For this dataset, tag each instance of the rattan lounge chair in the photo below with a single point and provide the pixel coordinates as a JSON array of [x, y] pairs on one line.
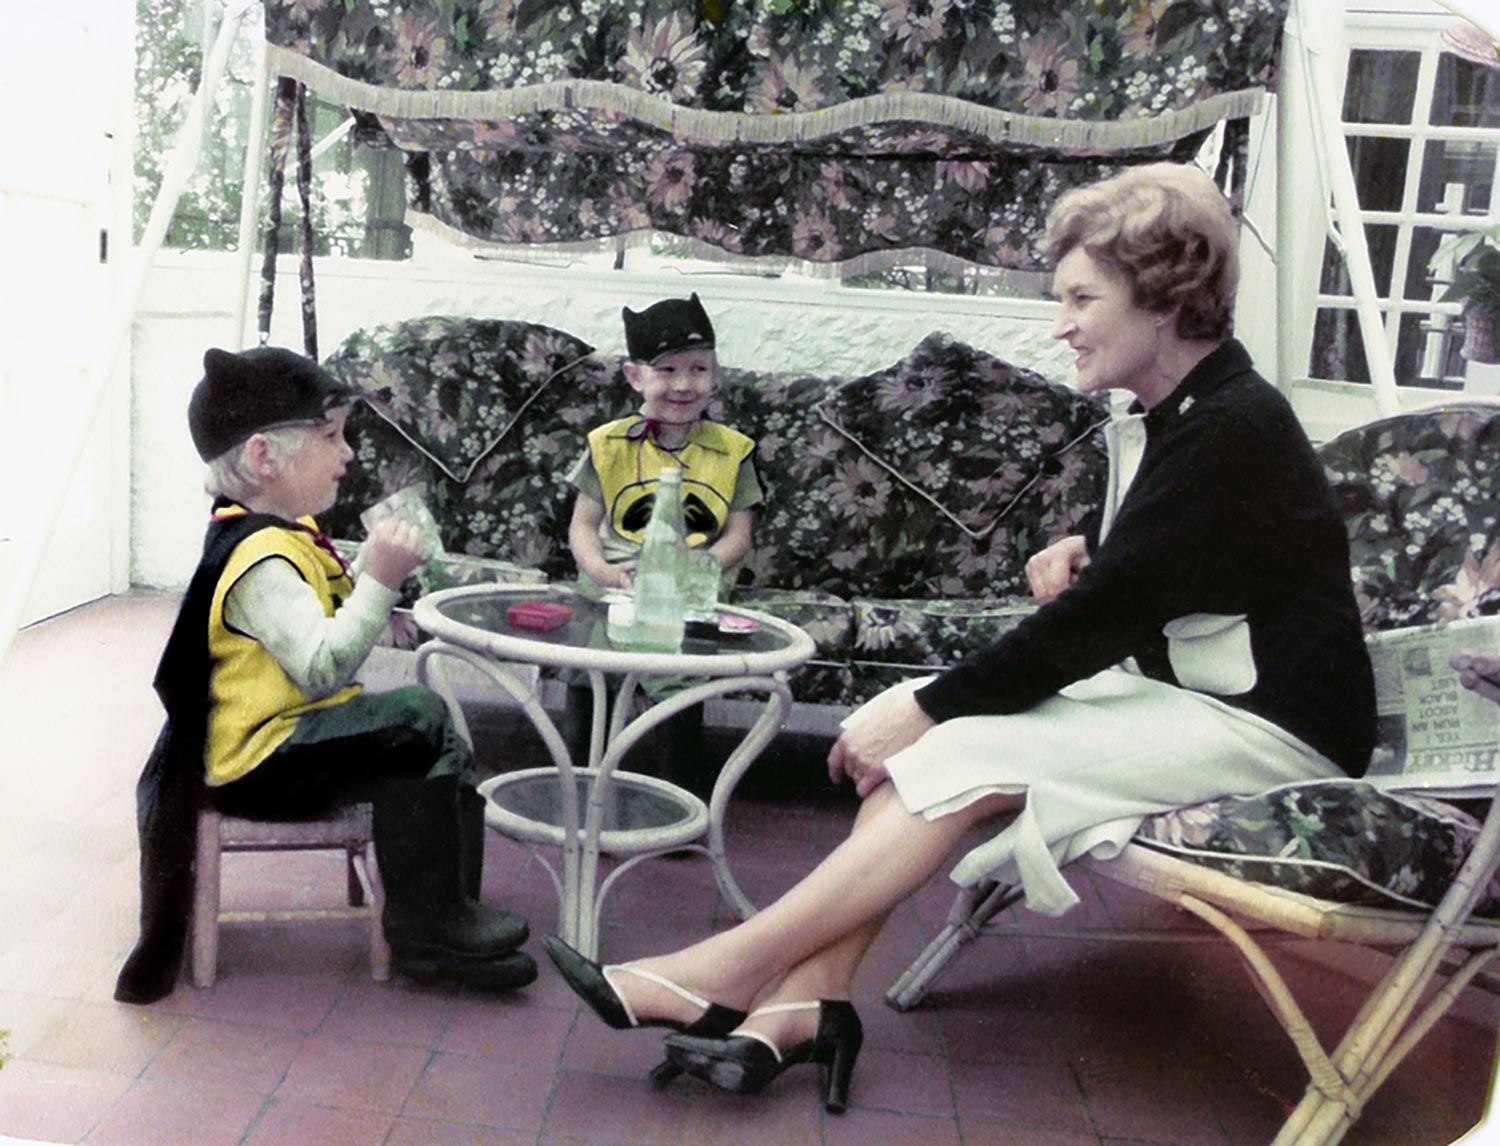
[[1384, 867]]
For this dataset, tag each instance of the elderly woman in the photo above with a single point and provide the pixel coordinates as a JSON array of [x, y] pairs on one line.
[[1201, 639]]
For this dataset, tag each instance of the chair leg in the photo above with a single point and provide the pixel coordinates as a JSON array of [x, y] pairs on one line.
[[205, 923], [974, 907], [368, 872], [356, 885]]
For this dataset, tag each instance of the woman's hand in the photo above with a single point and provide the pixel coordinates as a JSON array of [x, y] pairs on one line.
[[392, 551], [884, 729], [1054, 568], [1479, 673]]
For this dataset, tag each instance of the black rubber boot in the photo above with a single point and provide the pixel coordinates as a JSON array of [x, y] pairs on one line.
[[504, 973], [577, 722], [681, 757], [471, 832], [418, 844]]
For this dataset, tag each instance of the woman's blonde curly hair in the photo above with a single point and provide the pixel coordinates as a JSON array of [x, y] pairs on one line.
[[1168, 231]]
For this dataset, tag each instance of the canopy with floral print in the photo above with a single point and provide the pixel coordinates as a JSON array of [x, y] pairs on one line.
[[831, 131]]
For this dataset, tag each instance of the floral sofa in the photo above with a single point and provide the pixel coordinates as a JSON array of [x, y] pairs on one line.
[[1420, 492], [900, 506]]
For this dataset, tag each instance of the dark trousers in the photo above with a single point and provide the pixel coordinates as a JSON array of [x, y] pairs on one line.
[[343, 753], [674, 751]]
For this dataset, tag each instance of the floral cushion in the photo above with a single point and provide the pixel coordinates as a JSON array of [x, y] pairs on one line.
[[965, 431], [453, 386], [838, 520], [1420, 493], [827, 619], [515, 504], [1341, 840], [929, 635]]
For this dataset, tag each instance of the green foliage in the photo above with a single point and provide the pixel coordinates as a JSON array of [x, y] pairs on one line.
[[170, 45], [1475, 260]]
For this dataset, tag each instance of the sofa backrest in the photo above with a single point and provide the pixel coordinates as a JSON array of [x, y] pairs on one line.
[[486, 416], [937, 476], [1420, 493], [934, 477]]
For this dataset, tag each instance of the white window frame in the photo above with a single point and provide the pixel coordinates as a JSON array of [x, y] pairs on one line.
[[1327, 406], [1421, 34]]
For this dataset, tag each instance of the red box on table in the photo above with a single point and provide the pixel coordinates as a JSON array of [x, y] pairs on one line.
[[539, 615]]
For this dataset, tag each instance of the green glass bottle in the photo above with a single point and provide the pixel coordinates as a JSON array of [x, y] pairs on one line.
[[659, 600]]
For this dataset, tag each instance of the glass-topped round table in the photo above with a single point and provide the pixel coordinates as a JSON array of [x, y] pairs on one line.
[[624, 814]]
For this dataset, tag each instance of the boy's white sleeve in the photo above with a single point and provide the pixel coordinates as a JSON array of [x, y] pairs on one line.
[[321, 654]]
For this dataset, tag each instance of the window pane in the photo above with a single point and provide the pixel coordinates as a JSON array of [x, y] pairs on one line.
[[1381, 239], [1382, 86], [1464, 171], [1338, 352], [1421, 286], [1379, 171], [1465, 94], [1426, 355]]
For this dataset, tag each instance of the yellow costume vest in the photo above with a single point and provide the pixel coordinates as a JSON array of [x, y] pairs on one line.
[[252, 704], [629, 463]]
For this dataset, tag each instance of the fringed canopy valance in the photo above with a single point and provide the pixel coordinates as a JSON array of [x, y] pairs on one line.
[[832, 131]]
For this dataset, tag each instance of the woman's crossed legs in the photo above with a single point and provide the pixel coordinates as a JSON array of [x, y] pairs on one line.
[[809, 943]]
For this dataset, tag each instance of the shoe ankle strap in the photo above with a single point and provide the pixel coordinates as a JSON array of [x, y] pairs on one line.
[[651, 977], [776, 1009], [783, 1008]]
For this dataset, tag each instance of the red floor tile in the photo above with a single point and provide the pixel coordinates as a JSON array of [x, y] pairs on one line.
[[390, 1012], [158, 1110], [293, 1002], [215, 1053], [607, 1108], [1057, 1041], [98, 1036], [361, 1076], [749, 1120], [885, 1128], [483, 1090], [992, 1132], [304, 1124], [903, 1082], [426, 1132], [1031, 1095], [55, 1103], [512, 1029]]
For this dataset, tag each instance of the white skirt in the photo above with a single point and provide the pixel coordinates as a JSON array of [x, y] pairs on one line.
[[1093, 762]]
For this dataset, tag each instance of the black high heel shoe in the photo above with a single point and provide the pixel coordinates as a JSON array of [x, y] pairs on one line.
[[591, 983], [745, 1063]]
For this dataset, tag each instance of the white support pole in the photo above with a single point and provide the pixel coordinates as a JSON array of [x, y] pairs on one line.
[[1319, 45], [53, 493], [255, 150], [1299, 236]]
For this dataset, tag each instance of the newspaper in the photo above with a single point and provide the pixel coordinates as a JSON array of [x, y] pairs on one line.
[[1434, 734]]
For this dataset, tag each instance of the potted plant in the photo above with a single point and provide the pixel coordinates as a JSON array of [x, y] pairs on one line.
[[1470, 261]]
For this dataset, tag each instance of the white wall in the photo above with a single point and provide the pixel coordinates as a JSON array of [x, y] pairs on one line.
[[64, 235], [764, 324]]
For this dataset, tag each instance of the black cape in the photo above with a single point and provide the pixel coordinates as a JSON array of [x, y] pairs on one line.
[[170, 789]]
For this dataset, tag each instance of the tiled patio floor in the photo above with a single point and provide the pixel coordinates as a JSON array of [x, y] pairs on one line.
[[1057, 1042]]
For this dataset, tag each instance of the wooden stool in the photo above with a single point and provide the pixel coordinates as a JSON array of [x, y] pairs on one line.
[[348, 830]]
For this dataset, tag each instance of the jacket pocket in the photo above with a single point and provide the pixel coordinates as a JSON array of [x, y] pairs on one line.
[[1211, 652]]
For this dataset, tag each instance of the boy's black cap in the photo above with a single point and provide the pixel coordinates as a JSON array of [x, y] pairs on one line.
[[258, 389], [666, 327]]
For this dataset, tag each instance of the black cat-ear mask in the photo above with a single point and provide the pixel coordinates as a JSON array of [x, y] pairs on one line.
[[667, 327]]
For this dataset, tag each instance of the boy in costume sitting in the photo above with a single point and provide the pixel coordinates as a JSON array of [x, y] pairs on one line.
[[264, 717], [673, 365]]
